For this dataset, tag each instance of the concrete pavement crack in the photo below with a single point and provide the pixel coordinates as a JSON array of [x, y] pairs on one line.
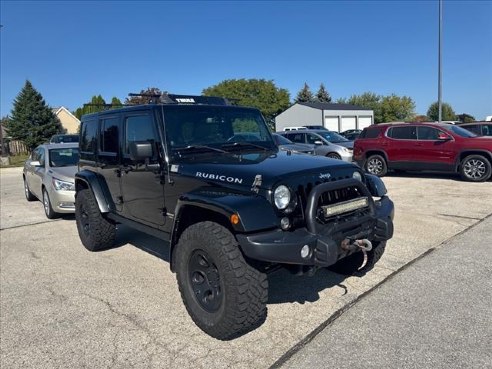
[[30, 224], [136, 323]]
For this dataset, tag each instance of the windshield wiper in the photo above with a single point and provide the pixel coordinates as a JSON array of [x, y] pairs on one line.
[[243, 144], [195, 148]]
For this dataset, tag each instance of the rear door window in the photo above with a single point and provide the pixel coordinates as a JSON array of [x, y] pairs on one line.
[[427, 133], [403, 133]]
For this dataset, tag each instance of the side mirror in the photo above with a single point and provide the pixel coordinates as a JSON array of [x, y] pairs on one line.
[[35, 163], [443, 137], [319, 142], [140, 150]]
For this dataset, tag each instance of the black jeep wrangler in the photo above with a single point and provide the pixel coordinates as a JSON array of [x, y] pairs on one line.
[[207, 178]]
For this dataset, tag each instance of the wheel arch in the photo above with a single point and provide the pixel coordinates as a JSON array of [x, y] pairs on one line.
[[90, 180], [463, 154]]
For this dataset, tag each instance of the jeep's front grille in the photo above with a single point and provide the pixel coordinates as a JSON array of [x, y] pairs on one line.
[[330, 197]]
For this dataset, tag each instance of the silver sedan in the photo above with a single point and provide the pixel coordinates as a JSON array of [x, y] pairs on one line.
[[49, 175]]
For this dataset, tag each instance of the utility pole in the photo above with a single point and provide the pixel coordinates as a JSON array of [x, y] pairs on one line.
[[439, 93]]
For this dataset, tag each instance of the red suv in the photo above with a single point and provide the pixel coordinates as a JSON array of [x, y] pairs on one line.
[[424, 146]]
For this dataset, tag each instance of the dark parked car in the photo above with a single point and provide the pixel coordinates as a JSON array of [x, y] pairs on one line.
[[350, 132], [424, 146], [207, 178], [479, 128], [352, 136]]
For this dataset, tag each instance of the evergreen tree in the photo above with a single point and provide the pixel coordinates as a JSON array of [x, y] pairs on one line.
[[304, 95], [31, 120], [322, 95], [116, 103]]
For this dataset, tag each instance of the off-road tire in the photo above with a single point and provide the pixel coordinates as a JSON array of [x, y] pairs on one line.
[[29, 195], [243, 288], [376, 164], [352, 264], [475, 168], [48, 209], [95, 231]]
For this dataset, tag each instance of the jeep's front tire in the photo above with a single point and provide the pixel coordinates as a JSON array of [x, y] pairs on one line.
[[355, 263], [224, 295], [95, 231]]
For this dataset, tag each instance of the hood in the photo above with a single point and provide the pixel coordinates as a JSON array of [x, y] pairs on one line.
[[64, 173], [262, 169], [347, 144], [304, 148]]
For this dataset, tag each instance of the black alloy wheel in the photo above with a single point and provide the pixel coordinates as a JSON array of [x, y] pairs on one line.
[[205, 281]]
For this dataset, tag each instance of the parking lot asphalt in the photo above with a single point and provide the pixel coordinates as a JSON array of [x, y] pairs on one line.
[[62, 306], [434, 314]]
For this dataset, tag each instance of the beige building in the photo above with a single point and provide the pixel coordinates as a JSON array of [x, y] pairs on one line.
[[69, 121]]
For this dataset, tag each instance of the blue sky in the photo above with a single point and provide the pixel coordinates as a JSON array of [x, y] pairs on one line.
[[72, 50]]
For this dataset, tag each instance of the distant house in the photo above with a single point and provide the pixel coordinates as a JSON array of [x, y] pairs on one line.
[[69, 121], [335, 117]]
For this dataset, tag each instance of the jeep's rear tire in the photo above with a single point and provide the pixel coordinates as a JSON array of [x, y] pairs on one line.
[[95, 231], [224, 295], [353, 263], [475, 168], [376, 164]]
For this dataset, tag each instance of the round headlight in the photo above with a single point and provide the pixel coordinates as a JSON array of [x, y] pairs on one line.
[[281, 197], [357, 176]]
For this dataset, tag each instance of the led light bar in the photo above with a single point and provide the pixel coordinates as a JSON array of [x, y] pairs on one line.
[[345, 207]]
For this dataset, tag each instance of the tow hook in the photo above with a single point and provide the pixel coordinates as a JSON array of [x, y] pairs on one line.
[[354, 245]]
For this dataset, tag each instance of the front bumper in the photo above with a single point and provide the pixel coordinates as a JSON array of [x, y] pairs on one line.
[[324, 242], [62, 201]]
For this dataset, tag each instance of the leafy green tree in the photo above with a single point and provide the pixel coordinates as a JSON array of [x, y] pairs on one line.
[[116, 103], [386, 108], [465, 118], [323, 95], [31, 120], [368, 100], [154, 93], [259, 93], [395, 108], [97, 104], [304, 95], [447, 112]]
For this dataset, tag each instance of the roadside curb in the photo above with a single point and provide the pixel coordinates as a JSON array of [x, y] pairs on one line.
[[307, 339]]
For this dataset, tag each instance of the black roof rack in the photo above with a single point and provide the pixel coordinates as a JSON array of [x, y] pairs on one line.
[[166, 98]]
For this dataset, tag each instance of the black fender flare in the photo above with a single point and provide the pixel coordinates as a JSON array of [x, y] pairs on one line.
[[98, 186], [201, 204]]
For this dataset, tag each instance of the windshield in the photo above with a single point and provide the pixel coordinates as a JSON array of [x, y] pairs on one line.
[[281, 140], [64, 157], [332, 137], [216, 128], [461, 131]]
